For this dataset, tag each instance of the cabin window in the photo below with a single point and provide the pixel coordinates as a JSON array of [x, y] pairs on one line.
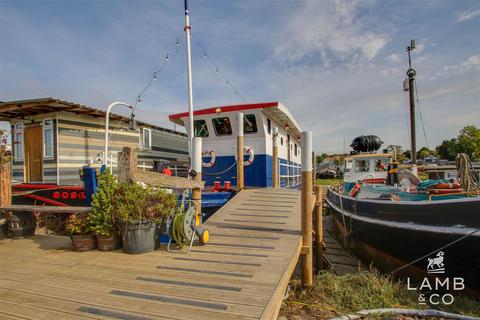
[[18, 141], [201, 129], [249, 124], [296, 150], [146, 139], [362, 166], [348, 166], [381, 165], [281, 141], [48, 138], [269, 126], [222, 126]]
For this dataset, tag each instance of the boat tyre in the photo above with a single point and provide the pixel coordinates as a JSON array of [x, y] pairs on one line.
[[355, 190], [445, 191], [454, 185], [109, 243], [84, 242], [251, 156], [213, 158], [3, 228]]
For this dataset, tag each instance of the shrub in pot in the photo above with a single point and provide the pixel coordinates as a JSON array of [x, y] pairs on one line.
[[140, 213], [100, 220], [82, 238]]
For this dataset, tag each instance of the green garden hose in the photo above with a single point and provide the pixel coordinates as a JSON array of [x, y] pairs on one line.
[[177, 230]]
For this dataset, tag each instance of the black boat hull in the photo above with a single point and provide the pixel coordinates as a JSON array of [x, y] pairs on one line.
[[391, 234]]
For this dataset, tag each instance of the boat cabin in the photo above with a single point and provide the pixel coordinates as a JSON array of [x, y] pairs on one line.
[[218, 127], [53, 139], [366, 166]]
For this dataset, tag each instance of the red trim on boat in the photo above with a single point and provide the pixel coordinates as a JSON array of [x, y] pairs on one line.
[[45, 186], [214, 110], [53, 202]]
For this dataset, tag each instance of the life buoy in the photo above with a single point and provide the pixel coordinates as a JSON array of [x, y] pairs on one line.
[[453, 185], [445, 191], [213, 158], [355, 190], [251, 156]]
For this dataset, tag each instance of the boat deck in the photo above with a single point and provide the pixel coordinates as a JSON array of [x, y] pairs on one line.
[[241, 274]]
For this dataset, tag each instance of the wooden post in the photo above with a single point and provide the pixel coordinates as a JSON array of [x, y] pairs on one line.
[[275, 178], [318, 228], [314, 168], [240, 173], [197, 166], [306, 199], [127, 164], [5, 184]]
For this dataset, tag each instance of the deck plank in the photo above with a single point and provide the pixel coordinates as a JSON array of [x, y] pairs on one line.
[[241, 274]]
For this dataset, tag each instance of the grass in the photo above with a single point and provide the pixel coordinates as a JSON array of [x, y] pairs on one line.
[[328, 182], [332, 295]]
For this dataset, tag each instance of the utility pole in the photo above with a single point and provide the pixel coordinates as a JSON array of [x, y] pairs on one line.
[[411, 91]]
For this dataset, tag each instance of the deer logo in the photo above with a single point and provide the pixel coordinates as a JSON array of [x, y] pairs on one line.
[[436, 265]]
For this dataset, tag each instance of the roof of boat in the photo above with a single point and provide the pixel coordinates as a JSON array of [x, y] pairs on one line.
[[275, 109], [368, 155], [18, 109]]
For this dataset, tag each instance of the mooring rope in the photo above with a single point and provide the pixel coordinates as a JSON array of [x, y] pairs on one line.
[[221, 172], [466, 173]]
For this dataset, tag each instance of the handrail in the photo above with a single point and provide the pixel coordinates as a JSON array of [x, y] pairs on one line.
[[470, 193]]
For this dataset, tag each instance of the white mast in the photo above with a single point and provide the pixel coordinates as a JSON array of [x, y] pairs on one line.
[[189, 78]]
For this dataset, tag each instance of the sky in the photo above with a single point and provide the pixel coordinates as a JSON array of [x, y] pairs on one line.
[[338, 66]]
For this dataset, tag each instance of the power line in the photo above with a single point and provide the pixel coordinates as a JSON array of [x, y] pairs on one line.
[[218, 70], [421, 117]]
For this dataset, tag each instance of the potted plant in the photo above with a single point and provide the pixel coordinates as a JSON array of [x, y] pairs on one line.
[[100, 220], [140, 212], [82, 238]]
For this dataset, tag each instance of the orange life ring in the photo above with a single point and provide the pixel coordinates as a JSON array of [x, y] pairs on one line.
[[445, 191], [355, 190], [454, 185]]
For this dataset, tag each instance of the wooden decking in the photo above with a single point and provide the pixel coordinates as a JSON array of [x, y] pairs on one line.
[[241, 274]]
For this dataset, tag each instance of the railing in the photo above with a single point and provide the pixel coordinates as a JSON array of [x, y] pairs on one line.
[[293, 176]]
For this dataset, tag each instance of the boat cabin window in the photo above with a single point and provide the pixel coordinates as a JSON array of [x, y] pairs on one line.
[[146, 139], [281, 141], [348, 165], [362, 165], [48, 138], [249, 124], [201, 129], [18, 141], [222, 126], [269, 126], [381, 165], [296, 150]]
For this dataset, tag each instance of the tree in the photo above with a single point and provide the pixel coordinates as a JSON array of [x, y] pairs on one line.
[[407, 154], [423, 153], [467, 141]]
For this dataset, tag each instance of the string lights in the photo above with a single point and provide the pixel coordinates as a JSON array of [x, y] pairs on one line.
[[217, 68]]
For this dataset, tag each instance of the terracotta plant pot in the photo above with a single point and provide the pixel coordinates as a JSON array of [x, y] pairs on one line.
[[84, 242], [109, 243]]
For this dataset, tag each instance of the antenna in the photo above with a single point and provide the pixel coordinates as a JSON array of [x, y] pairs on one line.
[[412, 44]]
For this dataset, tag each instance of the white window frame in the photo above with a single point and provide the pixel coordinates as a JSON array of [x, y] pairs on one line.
[[44, 127], [21, 130], [142, 139]]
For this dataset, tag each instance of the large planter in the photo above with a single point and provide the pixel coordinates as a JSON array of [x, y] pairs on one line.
[[83, 242], [3, 228], [109, 243], [139, 236]]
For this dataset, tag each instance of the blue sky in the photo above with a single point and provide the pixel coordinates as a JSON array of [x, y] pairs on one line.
[[337, 65]]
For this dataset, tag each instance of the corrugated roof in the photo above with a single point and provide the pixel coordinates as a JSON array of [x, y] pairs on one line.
[[10, 110]]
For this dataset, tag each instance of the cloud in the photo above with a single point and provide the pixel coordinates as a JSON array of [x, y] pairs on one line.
[[467, 15], [395, 58], [471, 63], [334, 30]]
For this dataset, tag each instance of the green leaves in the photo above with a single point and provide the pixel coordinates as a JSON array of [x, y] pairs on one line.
[[100, 219]]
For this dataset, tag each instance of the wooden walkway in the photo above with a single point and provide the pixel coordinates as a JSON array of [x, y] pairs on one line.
[[241, 274]]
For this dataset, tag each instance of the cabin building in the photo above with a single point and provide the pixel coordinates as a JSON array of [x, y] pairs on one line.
[[53, 139], [218, 126]]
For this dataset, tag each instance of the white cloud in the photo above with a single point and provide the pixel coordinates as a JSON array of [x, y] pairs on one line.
[[333, 30], [395, 58], [471, 63], [468, 15]]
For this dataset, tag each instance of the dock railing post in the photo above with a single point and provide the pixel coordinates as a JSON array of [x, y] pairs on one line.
[[318, 228], [197, 166], [126, 164], [275, 179], [240, 167], [306, 205]]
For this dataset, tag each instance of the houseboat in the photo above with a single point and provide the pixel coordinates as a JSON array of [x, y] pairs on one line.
[[53, 139], [217, 126]]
